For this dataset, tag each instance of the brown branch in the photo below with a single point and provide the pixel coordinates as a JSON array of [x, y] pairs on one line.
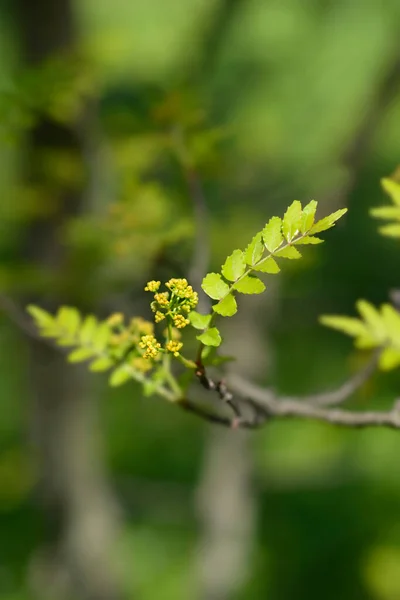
[[331, 398], [264, 405], [270, 408]]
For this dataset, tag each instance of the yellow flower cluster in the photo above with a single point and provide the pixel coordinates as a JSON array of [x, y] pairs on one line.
[[150, 345], [152, 286], [141, 364], [185, 292], [175, 304], [115, 319], [174, 347], [180, 321], [162, 299]]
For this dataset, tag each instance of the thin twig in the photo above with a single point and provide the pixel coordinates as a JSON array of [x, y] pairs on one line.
[[331, 398]]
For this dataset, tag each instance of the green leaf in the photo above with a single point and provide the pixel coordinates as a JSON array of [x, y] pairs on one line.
[[226, 307], [249, 285], [41, 317], [254, 250], [373, 320], [211, 337], [272, 234], [349, 325], [216, 360], [101, 364], [292, 220], [88, 330], [307, 218], [392, 230], [65, 340], [149, 387], [366, 342], [199, 321], [234, 266], [80, 355], [101, 337], [391, 320], [392, 188], [68, 319], [389, 359], [288, 252], [328, 222], [119, 376], [308, 239], [214, 286], [385, 212], [269, 265]]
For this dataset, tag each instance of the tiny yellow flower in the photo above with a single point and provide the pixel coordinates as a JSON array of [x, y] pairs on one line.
[[141, 364], [141, 326], [162, 298], [159, 316], [174, 347], [152, 286], [150, 345], [180, 322], [115, 319]]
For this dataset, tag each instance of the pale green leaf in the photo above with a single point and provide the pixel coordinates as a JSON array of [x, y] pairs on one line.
[[65, 340], [80, 355], [211, 337], [373, 319], [254, 250], [234, 266], [149, 387], [307, 218], [269, 265], [214, 286], [392, 230], [292, 220], [119, 376], [199, 321], [226, 307], [348, 325], [68, 319], [389, 359], [88, 329], [272, 234], [101, 337], [385, 212], [220, 360], [366, 342], [308, 239], [101, 364], [392, 188], [391, 321], [249, 285], [288, 252], [41, 317], [328, 222]]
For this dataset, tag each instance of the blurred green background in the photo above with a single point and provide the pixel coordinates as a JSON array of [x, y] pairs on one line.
[[264, 101]]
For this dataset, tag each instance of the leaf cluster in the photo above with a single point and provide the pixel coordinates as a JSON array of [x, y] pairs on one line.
[[391, 212], [376, 328], [240, 273]]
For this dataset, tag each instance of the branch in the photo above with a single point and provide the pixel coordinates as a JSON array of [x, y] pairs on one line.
[[264, 405], [334, 397]]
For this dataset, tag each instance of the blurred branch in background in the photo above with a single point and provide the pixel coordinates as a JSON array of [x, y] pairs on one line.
[[356, 151], [79, 510]]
